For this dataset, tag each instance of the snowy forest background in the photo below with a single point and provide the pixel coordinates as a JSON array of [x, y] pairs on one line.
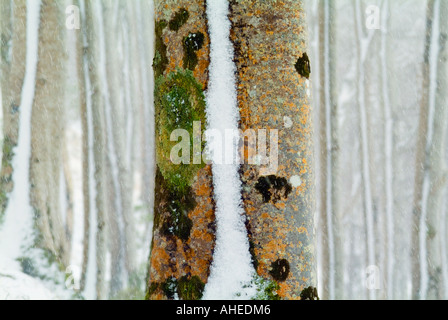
[[380, 103]]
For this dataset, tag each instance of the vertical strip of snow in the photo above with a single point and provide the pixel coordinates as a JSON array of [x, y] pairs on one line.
[[329, 147], [388, 150], [231, 267], [17, 231], [90, 287]]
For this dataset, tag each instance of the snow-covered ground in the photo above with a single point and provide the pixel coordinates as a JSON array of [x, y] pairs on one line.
[[16, 232]]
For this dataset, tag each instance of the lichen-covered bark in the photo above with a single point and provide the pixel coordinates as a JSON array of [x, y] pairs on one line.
[[183, 237], [13, 52], [271, 56]]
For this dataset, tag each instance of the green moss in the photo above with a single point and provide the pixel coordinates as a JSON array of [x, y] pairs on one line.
[[190, 288], [179, 19], [309, 293], [303, 66], [192, 43], [160, 55], [169, 287], [152, 288], [280, 269], [187, 288], [179, 224], [179, 101], [266, 289], [178, 205]]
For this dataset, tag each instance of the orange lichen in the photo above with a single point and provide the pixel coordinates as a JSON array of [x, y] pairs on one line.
[[265, 55], [172, 257]]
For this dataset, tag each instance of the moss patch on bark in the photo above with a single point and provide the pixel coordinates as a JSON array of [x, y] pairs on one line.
[[179, 102]]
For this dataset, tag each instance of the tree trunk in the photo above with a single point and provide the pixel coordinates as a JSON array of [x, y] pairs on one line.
[[332, 250], [99, 138], [47, 131], [120, 194], [363, 43], [420, 159], [183, 235], [13, 40], [82, 71], [271, 56], [279, 205], [437, 163], [389, 154]]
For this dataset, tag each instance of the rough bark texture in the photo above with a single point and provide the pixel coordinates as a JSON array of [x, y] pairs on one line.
[[437, 165], [47, 131], [183, 237], [80, 56], [333, 283], [420, 159], [13, 52], [273, 68], [99, 147]]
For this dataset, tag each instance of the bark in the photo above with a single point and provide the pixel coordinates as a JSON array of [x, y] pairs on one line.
[[332, 250], [13, 55], [389, 154], [273, 69], [81, 57], [183, 235], [363, 44], [47, 131], [420, 159], [119, 194], [93, 55], [437, 164]]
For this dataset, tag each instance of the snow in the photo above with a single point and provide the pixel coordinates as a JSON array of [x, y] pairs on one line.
[[74, 154], [16, 233], [231, 267], [17, 230], [16, 285]]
